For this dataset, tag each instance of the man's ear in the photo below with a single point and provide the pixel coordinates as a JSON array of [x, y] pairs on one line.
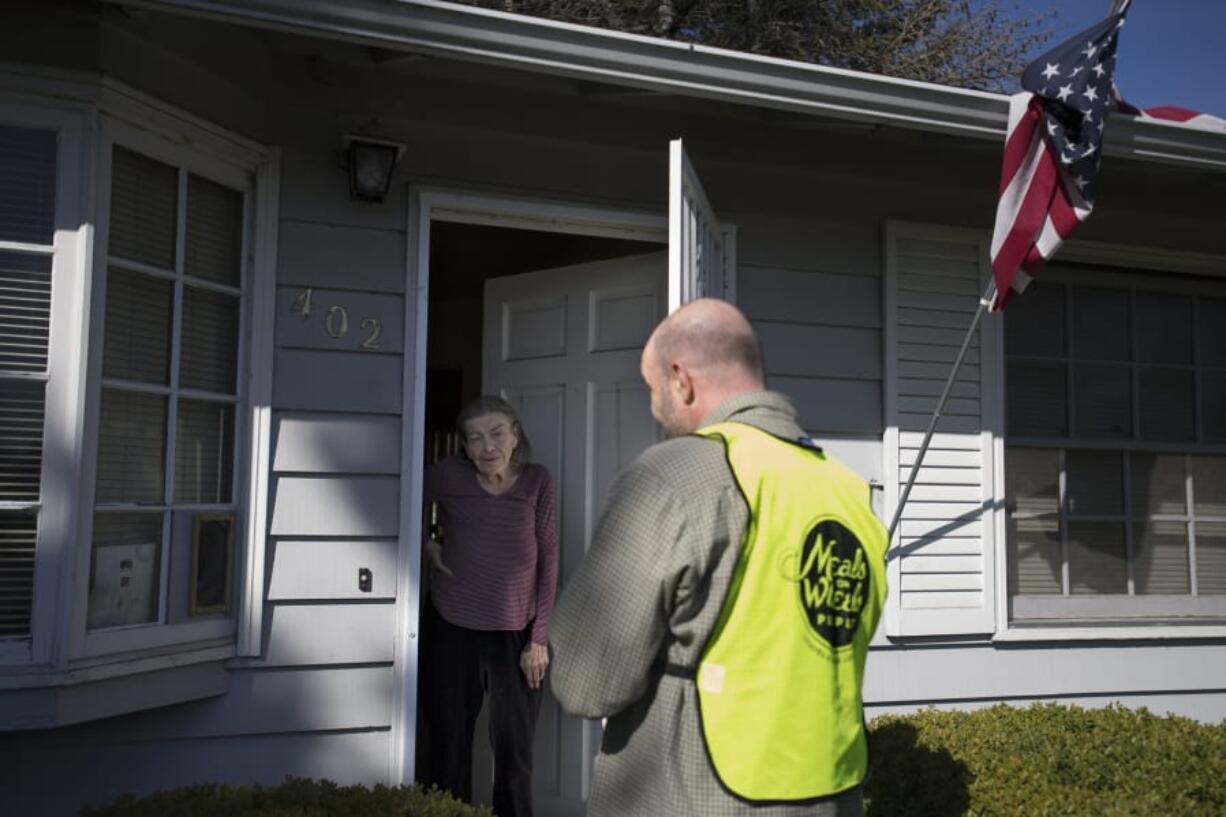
[[683, 382]]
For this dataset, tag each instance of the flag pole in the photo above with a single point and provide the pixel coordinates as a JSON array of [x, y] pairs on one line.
[[985, 301]]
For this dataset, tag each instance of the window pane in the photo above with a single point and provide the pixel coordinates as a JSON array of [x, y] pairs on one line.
[[144, 205], [27, 185], [1161, 558], [1032, 480], [1095, 481], [214, 244], [25, 311], [21, 440], [1164, 328], [204, 452], [1102, 400], [1212, 330], [1210, 558], [201, 574], [1208, 485], [1037, 398], [210, 341], [1096, 558], [131, 454], [138, 327], [1101, 324], [1034, 325], [1213, 405], [1157, 484], [1167, 404], [17, 540], [1034, 556], [124, 573]]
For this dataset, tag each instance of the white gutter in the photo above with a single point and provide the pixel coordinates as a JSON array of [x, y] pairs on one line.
[[532, 44]]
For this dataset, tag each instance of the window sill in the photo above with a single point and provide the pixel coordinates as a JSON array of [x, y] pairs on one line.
[[1161, 632], [105, 643], [41, 699]]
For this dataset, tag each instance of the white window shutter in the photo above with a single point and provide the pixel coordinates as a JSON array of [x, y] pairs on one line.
[[943, 558], [701, 250]]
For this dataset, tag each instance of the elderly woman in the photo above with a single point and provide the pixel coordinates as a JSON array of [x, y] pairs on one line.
[[486, 623]]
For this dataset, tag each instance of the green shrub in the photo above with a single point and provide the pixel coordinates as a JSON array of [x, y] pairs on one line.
[[295, 797], [1045, 760]]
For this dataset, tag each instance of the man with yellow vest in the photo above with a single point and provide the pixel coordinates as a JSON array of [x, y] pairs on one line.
[[722, 616]]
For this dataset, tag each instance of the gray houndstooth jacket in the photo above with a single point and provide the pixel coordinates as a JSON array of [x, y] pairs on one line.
[[649, 592]]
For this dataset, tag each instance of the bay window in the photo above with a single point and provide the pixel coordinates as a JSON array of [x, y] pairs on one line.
[[135, 384]]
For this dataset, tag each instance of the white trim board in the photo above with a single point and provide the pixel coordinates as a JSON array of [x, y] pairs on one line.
[[680, 68], [429, 203]]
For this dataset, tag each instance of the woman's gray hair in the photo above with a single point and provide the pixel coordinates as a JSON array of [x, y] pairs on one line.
[[493, 404]]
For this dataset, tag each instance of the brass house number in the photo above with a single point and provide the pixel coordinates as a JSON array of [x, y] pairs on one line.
[[336, 321]]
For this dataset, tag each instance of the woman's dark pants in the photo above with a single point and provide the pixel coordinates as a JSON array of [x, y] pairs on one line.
[[459, 667]]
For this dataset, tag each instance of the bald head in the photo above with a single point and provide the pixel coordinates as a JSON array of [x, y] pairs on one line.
[[709, 334], [701, 355]]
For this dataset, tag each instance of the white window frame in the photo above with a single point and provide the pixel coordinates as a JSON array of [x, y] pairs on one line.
[[115, 134], [88, 112], [58, 502], [1121, 260], [212, 158]]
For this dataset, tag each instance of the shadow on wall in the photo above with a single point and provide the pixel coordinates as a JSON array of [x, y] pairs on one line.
[[907, 778]]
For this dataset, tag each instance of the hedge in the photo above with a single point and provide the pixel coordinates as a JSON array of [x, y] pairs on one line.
[[1046, 759], [1043, 760], [296, 797]]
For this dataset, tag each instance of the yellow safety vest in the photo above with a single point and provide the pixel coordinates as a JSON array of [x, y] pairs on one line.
[[779, 682]]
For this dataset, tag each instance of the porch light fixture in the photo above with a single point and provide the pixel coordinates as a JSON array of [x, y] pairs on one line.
[[371, 162]]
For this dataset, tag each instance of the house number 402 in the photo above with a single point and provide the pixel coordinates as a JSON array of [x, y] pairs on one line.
[[336, 321]]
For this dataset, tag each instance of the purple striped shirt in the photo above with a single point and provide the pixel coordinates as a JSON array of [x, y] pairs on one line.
[[502, 549]]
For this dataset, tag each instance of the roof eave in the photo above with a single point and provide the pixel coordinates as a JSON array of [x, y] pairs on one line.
[[533, 44]]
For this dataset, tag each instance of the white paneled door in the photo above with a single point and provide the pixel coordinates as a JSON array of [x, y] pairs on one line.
[[562, 345]]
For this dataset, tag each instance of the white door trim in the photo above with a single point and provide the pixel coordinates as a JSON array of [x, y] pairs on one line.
[[429, 203]]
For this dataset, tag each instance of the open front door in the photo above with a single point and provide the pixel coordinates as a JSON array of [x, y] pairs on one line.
[[701, 251], [562, 346]]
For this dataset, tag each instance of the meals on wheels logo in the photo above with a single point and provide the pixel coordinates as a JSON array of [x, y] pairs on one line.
[[833, 582]]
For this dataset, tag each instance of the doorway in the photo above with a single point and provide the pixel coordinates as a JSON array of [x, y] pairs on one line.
[[552, 314]]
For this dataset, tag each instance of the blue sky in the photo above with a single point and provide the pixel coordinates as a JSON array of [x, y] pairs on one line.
[[1171, 52]]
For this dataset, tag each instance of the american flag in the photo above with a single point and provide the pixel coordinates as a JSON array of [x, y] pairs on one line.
[[1052, 153], [1174, 113]]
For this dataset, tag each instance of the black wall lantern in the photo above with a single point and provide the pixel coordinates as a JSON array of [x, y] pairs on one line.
[[371, 162]]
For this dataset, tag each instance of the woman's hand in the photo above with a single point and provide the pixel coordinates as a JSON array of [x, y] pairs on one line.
[[533, 661], [434, 552]]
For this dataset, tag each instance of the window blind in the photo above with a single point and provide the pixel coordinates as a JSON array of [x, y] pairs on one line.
[[209, 344], [131, 447], [213, 246], [25, 311], [27, 216], [27, 185], [138, 327], [204, 452], [17, 543], [21, 439], [144, 201]]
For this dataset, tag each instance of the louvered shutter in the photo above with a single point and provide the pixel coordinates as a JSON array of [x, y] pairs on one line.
[[27, 216], [942, 565]]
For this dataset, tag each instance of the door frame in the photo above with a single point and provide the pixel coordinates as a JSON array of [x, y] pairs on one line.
[[484, 207]]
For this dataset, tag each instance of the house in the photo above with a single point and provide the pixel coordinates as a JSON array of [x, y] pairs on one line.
[[223, 364]]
